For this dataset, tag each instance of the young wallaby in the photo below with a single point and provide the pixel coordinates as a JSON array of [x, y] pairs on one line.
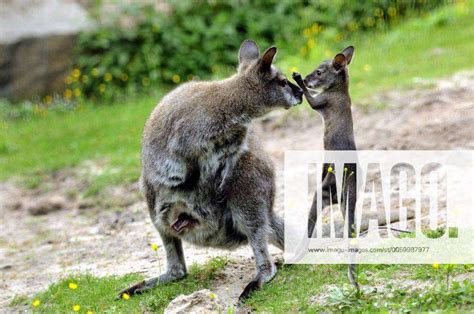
[[334, 105], [205, 178]]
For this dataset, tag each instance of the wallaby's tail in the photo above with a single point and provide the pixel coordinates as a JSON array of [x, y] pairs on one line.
[[277, 232]]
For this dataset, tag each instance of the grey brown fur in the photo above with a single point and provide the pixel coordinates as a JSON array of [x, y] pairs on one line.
[[334, 105], [205, 178]]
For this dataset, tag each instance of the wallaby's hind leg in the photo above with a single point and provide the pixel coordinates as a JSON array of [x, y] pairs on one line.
[[266, 270], [250, 199], [176, 264], [175, 269], [277, 232]]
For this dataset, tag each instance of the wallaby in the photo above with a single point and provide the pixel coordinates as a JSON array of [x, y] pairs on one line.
[[205, 178], [334, 105]]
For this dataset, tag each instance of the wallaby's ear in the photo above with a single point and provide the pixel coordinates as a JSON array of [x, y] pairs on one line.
[[248, 51], [339, 61], [267, 59], [348, 53]]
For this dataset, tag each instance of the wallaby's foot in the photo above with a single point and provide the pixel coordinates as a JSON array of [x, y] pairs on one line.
[[149, 284], [257, 283]]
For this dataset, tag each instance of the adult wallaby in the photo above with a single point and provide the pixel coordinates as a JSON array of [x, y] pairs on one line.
[[333, 102], [205, 178]]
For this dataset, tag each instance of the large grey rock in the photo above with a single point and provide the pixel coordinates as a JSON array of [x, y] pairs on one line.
[[36, 42]]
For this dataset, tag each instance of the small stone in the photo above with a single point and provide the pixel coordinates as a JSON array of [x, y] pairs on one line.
[[202, 301]]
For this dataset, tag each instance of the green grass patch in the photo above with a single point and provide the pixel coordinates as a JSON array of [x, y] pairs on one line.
[[322, 288], [435, 45], [46, 144], [99, 294]]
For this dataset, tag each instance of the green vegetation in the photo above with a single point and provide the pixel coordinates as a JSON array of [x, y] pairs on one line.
[[303, 288], [201, 37], [41, 140], [99, 294], [384, 288]]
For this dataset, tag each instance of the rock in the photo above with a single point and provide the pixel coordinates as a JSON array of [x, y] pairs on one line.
[[36, 42], [46, 205], [202, 301], [10, 197]]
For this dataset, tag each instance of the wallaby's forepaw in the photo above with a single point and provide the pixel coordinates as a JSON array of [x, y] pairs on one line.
[[296, 76], [299, 80]]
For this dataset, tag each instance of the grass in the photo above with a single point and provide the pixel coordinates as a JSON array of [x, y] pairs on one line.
[[98, 294], [432, 46], [436, 45], [295, 286], [294, 289]]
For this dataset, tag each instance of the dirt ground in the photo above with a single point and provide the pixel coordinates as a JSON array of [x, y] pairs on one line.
[[52, 230]]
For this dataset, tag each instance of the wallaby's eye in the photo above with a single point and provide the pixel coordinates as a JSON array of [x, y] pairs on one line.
[[318, 72], [282, 82]]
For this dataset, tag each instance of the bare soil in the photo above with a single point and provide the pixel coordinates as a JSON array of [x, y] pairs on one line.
[[111, 234]]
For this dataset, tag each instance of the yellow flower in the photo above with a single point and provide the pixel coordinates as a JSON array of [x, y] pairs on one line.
[[108, 77], [378, 12], [36, 303], [293, 69], [307, 32], [124, 77], [76, 73], [190, 77], [369, 22], [72, 285], [345, 169], [367, 67], [436, 266], [89, 312], [48, 99], [145, 81], [311, 43], [330, 169], [176, 78], [68, 94], [125, 296], [392, 11], [353, 26], [315, 28], [102, 88], [77, 92], [95, 72], [68, 80], [76, 308], [212, 295], [85, 79], [154, 247]]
